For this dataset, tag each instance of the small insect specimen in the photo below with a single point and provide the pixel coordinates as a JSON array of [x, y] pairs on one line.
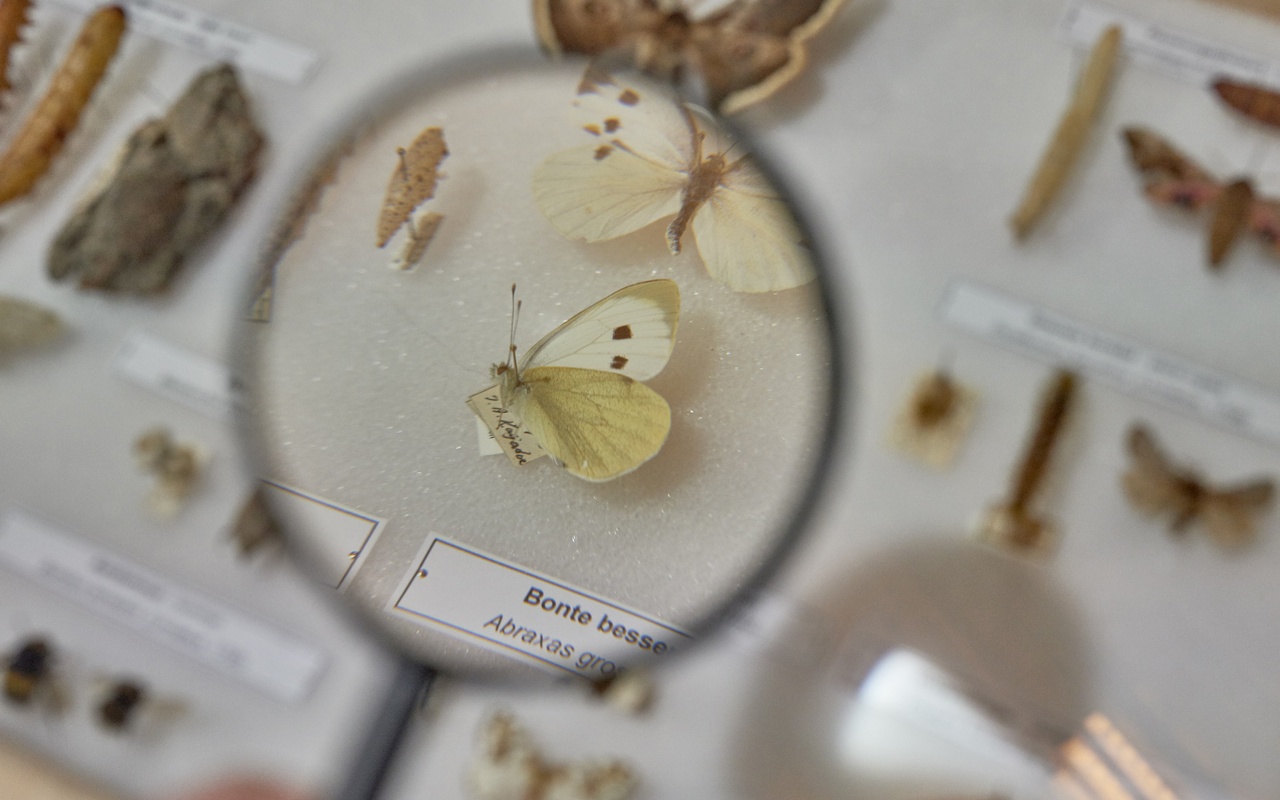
[[630, 691], [47, 128], [255, 528], [13, 15], [1254, 101], [1071, 134], [743, 52], [178, 179], [651, 158], [933, 422], [509, 766], [175, 466], [579, 391], [1158, 487], [29, 671], [122, 701], [1012, 523], [1172, 179], [421, 232], [412, 183], [24, 324]]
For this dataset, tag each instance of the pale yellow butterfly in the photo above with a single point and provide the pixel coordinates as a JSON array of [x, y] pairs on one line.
[[654, 158], [578, 389]]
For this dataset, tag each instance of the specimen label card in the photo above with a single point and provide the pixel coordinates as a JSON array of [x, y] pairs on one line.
[[504, 433], [265, 657], [344, 534], [189, 378], [1130, 366], [1180, 53], [214, 36], [462, 591]]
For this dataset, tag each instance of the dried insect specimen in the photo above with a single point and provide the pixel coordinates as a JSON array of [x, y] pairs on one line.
[[1158, 487], [509, 766], [24, 324], [933, 422], [13, 15], [1254, 101], [28, 670], [413, 181], [175, 184], [1071, 134], [255, 528], [421, 233], [1012, 522], [630, 691], [744, 51], [1172, 179], [42, 135], [175, 466], [122, 701]]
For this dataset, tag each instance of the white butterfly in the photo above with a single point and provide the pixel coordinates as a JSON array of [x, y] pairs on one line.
[[578, 389], [653, 158]]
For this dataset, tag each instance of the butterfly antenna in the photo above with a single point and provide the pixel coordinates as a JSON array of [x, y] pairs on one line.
[[515, 318]]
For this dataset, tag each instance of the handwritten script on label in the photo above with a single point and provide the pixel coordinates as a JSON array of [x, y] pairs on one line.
[[519, 446]]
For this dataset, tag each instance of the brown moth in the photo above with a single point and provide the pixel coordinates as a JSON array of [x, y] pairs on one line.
[[1158, 487], [744, 51], [175, 183], [1230, 219], [1254, 101], [255, 528], [413, 182], [176, 467]]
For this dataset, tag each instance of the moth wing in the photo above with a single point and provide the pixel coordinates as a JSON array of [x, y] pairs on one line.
[[1264, 220], [591, 27], [636, 116], [747, 237], [629, 333], [1230, 515], [1231, 215], [1151, 483], [600, 425], [796, 19], [595, 197]]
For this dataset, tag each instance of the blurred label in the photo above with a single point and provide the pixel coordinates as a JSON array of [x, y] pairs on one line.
[[524, 614], [262, 656], [343, 536], [185, 377]]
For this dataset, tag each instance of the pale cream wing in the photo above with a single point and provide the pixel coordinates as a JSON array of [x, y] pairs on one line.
[[637, 116], [747, 237], [600, 425]]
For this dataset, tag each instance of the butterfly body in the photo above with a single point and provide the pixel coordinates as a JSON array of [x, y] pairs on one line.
[[579, 391]]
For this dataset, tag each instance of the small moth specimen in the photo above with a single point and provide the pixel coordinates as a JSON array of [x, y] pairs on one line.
[[29, 676], [127, 705], [255, 528], [1158, 487], [175, 466], [651, 158], [24, 324], [933, 422], [1254, 101], [1071, 134], [47, 128], [1012, 523], [509, 766], [744, 51], [176, 182], [1172, 179], [630, 691], [122, 701], [412, 183], [13, 15]]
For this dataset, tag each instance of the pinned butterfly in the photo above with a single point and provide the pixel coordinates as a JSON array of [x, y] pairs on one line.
[[576, 394], [651, 158]]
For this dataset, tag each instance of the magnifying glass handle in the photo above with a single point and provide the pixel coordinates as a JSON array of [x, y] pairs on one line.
[[372, 764]]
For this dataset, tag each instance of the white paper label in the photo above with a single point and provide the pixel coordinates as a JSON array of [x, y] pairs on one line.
[[214, 36], [1124, 364], [1179, 53], [344, 535], [189, 378], [262, 656], [521, 613]]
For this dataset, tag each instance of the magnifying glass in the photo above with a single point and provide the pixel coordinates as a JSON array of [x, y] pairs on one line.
[[562, 340]]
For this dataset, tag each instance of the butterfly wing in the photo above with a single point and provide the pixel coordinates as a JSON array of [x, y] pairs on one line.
[[1152, 484], [1230, 515], [631, 333], [600, 425], [592, 27]]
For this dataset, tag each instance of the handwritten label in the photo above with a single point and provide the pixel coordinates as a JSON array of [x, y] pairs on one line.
[[505, 607], [1162, 378], [215, 37], [505, 434], [1179, 53], [174, 372], [344, 535], [265, 657]]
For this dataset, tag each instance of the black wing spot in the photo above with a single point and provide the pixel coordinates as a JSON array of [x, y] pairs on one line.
[[622, 332], [628, 98], [618, 362]]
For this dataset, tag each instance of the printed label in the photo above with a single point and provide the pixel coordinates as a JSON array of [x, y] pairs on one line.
[[262, 656], [215, 37], [189, 378], [344, 535], [522, 613], [504, 433], [1179, 53], [1162, 378]]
